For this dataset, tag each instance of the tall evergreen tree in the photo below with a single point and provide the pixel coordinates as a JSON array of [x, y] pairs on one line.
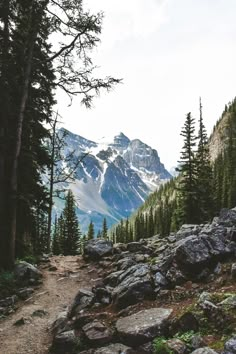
[[104, 229], [91, 233], [187, 186], [204, 175], [71, 226]]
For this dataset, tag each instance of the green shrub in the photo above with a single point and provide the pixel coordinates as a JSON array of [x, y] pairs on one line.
[[160, 346], [186, 337]]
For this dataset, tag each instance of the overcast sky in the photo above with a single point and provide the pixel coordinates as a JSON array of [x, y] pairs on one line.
[[168, 52]]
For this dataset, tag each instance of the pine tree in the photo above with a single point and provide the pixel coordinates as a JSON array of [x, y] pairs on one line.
[[204, 175], [187, 185], [90, 234], [71, 226], [104, 229]]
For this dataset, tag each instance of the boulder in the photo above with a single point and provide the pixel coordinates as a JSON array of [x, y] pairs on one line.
[[113, 349], [113, 278], [25, 293], [229, 302], [160, 281], [186, 322], [227, 217], [26, 272], [197, 342], [233, 271], [230, 346], [8, 301], [176, 346], [187, 230], [195, 253], [64, 342], [60, 323], [102, 295], [135, 247], [134, 285], [96, 333], [175, 277], [143, 326], [205, 350], [82, 300], [97, 249], [125, 263]]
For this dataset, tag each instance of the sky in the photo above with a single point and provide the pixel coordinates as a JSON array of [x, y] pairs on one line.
[[168, 53]]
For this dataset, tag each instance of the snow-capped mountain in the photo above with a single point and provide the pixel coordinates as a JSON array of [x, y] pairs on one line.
[[114, 179]]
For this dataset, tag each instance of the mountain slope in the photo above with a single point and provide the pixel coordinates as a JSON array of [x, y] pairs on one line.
[[113, 180]]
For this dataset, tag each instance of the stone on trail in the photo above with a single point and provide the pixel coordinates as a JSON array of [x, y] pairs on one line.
[[97, 248], [143, 326], [113, 349]]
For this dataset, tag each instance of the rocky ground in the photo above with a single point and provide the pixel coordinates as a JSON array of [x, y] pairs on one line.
[[29, 314], [168, 296]]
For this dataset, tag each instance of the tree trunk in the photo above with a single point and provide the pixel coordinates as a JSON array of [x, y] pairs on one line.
[[51, 184], [16, 154], [4, 102]]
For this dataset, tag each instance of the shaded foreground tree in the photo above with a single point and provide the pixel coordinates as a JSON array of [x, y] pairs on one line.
[[29, 72]]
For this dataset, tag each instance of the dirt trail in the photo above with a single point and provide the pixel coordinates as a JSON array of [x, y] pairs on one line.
[[57, 291]]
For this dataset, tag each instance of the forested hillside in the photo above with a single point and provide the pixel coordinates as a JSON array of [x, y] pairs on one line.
[[205, 184]]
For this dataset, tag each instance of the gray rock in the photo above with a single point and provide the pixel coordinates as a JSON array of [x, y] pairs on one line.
[[204, 296], [82, 319], [230, 345], [197, 342], [134, 247], [176, 346], [233, 271], [119, 247], [125, 263], [195, 253], [65, 342], [98, 248], [8, 301], [192, 252], [143, 326], [187, 230], [227, 217], [113, 279], [82, 300], [186, 322], [60, 323], [160, 280], [135, 285], [141, 258], [175, 276], [113, 349], [26, 272], [102, 295], [25, 293], [205, 350], [229, 302], [96, 333]]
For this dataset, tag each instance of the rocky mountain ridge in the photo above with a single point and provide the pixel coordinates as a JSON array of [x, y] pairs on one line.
[[113, 179], [173, 295]]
